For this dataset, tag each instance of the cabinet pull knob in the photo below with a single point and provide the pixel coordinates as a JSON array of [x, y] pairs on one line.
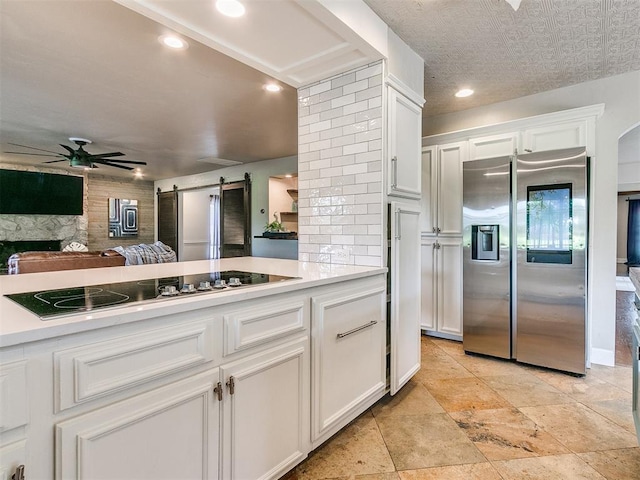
[[218, 391], [394, 172], [231, 385], [19, 475], [357, 329], [438, 229], [435, 229]]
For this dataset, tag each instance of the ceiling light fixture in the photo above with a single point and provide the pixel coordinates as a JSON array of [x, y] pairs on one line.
[[230, 8], [272, 87], [465, 92], [173, 41]]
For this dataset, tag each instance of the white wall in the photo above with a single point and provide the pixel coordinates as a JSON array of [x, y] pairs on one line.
[[260, 173], [621, 96]]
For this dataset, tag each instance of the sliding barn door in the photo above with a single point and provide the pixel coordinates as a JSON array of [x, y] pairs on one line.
[[168, 219], [235, 218]]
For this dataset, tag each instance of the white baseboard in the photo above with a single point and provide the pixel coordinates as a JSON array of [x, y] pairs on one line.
[[600, 356]]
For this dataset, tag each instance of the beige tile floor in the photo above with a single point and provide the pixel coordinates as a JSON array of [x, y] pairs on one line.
[[475, 418]]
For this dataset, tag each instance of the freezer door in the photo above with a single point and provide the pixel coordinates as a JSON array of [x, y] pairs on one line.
[[551, 218], [486, 258]]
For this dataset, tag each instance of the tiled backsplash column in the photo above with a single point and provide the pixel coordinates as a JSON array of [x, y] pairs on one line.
[[340, 128]]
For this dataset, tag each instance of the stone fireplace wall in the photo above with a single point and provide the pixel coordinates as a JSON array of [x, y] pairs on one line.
[[91, 228]]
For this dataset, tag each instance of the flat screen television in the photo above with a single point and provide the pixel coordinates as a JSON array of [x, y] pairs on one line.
[[37, 193]]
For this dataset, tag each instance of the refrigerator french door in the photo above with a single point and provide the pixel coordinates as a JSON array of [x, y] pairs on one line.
[[525, 263]]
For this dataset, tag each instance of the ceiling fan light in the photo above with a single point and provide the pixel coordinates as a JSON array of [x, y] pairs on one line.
[[465, 92], [230, 8]]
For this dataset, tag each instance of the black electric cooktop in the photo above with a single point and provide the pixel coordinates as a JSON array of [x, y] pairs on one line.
[[51, 304]]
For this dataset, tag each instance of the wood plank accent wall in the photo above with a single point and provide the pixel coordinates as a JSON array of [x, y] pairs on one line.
[[100, 189]]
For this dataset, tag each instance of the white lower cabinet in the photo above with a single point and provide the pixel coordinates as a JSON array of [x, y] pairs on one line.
[[349, 343], [405, 293], [442, 287], [265, 412], [170, 432], [224, 394]]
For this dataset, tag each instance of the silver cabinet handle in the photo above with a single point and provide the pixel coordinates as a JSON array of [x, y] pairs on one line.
[[218, 391], [357, 329], [398, 225], [394, 170], [231, 385]]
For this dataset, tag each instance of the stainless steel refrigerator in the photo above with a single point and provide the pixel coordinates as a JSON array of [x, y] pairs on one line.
[[525, 221]]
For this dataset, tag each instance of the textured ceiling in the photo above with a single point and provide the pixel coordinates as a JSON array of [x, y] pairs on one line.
[[503, 54]]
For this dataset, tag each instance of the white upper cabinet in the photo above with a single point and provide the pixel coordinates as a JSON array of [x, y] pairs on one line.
[[449, 204], [403, 155], [492, 146], [554, 136], [442, 186]]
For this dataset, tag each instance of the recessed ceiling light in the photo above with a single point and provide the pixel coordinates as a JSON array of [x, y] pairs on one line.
[[272, 87], [230, 8], [173, 41], [465, 92], [288, 175]]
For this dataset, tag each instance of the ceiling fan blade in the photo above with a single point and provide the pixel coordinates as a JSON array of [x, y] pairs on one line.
[[34, 148], [109, 164], [119, 161], [33, 154], [68, 149], [54, 161], [103, 155]]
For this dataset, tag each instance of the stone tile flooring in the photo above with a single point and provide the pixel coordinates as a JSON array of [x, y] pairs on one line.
[[475, 418]]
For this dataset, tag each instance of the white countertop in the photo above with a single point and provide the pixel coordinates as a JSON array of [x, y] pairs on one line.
[[18, 325]]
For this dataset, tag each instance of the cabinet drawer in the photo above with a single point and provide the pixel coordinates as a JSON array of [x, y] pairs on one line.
[[13, 395], [349, 362], [92, 371], [253, 326]]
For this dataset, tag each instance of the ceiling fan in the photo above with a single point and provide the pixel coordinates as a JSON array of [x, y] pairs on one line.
[[79, 157]]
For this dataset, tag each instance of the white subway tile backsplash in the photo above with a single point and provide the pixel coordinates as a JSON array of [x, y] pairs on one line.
[[343, 80], [340, 162], [343, 180], [367, 157], [368, 93], [368, 136], [356, 169], [344, 100], [344, 140], [356, 107], [369, 72], [318, 164], [331, 172], [356, 86], [343, 120], [355, 148], [331, 133], [317, 126], [319, 88]]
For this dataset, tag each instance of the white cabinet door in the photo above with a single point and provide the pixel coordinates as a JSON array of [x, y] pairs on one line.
[[492, 146], [170, 432], [405, 293], [552, 137], [429, 199], [450, 158], [266, 412], [405, 133], [428, 283], [449, 288], [349, 356]]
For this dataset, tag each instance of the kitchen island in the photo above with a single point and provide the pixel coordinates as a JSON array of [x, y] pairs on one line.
[[234, 383]]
